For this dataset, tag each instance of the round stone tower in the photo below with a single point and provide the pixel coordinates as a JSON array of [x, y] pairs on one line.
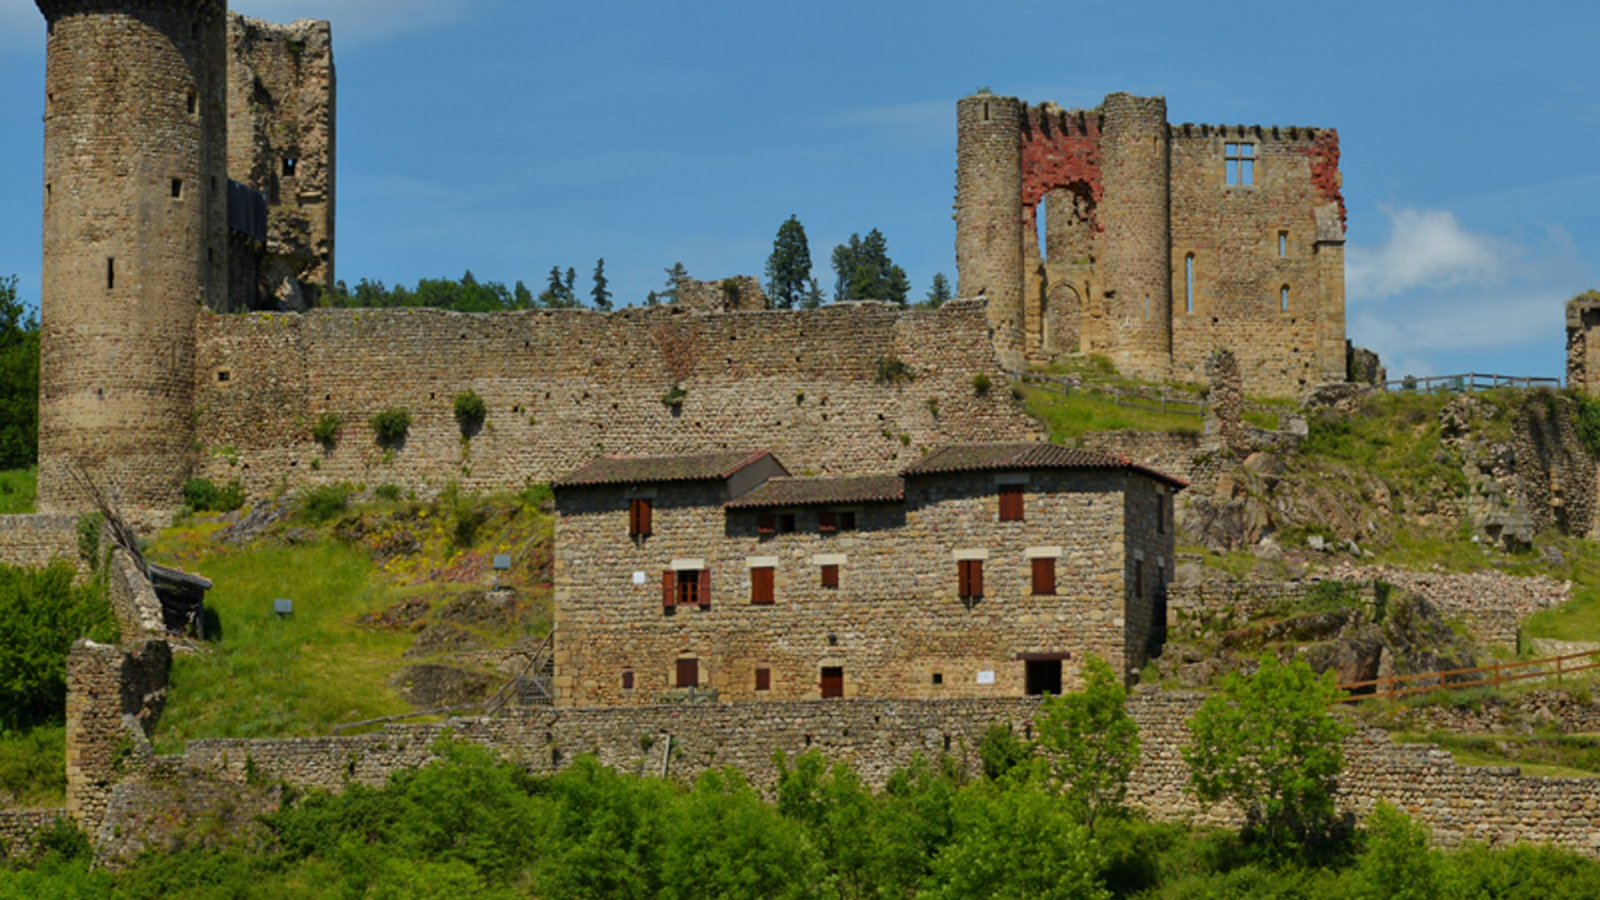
[[989, 213], [1136, 253], [135, 241]]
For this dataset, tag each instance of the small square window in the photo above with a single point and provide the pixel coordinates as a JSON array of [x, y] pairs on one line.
[[766, 523], [786, 523], [847, 521], [627, 681], [1011, 503], [830, 576], [688, 672], [827, 522], [938, 678], [1241, 163], [763, 679], [289, 166]]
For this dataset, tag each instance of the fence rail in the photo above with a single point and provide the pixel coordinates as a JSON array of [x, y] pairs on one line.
[[1180, 406], [1497, 675], [1465, 382]]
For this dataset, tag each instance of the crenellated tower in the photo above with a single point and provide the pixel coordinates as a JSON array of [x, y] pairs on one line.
[[135, 240], [1136, 249]]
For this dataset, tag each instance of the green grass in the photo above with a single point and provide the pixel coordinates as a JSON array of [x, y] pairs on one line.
[[17, 489], [286, 677], [1548, 755], [33, 767], [1069, 416]]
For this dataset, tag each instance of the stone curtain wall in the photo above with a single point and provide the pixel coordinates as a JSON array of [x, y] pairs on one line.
[[1232, 232], [19, 826], [1492, 604], [281, 106], [37, 541], [741, 293], [565, 386], [895, 621]]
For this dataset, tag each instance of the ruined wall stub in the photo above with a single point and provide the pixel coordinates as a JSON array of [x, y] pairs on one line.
[[741, 293], [1583, 343], [135, 240], [1151, 243], [282, 93]]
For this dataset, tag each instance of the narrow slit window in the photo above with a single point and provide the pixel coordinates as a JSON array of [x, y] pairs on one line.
[[1283, 243], [193, 103], [289, 165], [111, 273], [177, 188], [1041, 227], [1188, 283], [627, 681], [763, 679], [1283, 299]]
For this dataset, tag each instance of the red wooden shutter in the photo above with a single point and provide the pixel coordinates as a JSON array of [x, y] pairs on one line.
[[830, 576], [964, 579], [627, 681], [833, 682], [705, 588], [766, 523], [669, 588], [646, 518], [1044, 575], [633, 518], [688, 673], [1011, 503], [763, 679], [977, 577], [827, 523], [761, 586]]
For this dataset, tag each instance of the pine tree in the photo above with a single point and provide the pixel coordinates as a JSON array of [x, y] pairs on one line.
[[651, 299], [521, 296], [813, 296], [670, 295], [845, 263], [571, 287], [863, 271], [939, 292], [789, 266], [555, 294], [601, 296]]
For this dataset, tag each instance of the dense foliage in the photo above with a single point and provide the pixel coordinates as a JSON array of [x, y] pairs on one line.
[[204, 495], [863, 271], [789, 281], [41, 613], [468, 294], [19, 380], [1091, 742]]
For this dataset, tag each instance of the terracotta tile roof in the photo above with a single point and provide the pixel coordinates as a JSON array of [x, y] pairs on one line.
[[823, 491], [649, 469], [987, 457]]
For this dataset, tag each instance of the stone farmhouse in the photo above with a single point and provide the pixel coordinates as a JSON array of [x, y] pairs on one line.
[[981, 570]]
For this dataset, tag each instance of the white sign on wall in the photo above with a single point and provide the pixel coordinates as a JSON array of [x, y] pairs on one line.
[[638, 578], [986, 677]]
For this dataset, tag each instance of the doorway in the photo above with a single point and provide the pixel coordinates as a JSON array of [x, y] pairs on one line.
[[832, 681], [1043, 676]]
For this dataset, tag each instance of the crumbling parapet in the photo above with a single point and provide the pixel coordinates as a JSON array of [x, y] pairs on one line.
[[1583, 343], [741, 293], [114, 698]]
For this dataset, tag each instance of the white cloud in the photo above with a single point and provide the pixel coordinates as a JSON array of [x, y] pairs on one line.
[[1427, 248], [362, 20]]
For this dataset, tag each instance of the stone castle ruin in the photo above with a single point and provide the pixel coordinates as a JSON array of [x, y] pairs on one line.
[[1110, 231]]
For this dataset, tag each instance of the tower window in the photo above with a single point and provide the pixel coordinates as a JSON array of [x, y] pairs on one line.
[[1188, 283], [177, 188], [111, 273], [1241, 163], [47, 192], [1283, 243], [1283, 299], [289, 164], [193, 103]]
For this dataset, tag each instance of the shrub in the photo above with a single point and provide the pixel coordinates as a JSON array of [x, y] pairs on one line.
[[326, 501], [892, 370], [389, 492], [1586, 416], [1269, 744], [89, 527], [537, 496], [674, 397], [1398, 864], [391, 425], [41, 613], [201, 495], [981, 384], [1001, 751], [1015, 843], [470, 411], [1091, 742], [326, 430]]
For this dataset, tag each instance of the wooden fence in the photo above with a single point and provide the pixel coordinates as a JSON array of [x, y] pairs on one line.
[[1465, 382], [1179, 406], [1458, 679]]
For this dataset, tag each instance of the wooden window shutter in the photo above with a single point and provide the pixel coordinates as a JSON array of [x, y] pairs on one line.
[[977, 577], [669, 588], [830, 576], [1011, 503], [688, 673], [627, 681], [964, 578], [827, 523], [763, 679], [1044, 575], [766, 523], [762, 586], [705, 588], [646, 518]]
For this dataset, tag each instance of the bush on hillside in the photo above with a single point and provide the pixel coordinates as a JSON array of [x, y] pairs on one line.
[[203, 495], [42, 612], [324, 502]]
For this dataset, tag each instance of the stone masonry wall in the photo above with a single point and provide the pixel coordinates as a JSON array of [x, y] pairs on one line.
[[1171, 452], [1492, 604], [1495, 805], [565, 386], [19, 826], [37, 541], [895, 623], [281, 126], [741, 293]]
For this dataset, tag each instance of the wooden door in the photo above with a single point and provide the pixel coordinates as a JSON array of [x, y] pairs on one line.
[[832, 682]]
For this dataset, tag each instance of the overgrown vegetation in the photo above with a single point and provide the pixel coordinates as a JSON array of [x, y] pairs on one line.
[[470, 411], [17, 491], [893, 370], [19, 381], [42, 611], [326, 430], [203, 495], [324, 502], [390, 425], [1070, 416]]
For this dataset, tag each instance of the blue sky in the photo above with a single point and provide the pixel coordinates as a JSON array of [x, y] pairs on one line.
[[506, 136]]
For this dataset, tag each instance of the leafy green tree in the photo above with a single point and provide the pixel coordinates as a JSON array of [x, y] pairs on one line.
[[843, 820], [863, 271], [599, 294], [1090, 742], [1001, 752], [1270, 744], [602, 834], [674, 274], [738, 848], [19, 380], [939, 292], [41, 613], [1398, 864], [1015, 844], [789, 266]]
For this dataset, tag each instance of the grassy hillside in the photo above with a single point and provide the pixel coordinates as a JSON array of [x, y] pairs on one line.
[[336, 658], [17, 491]]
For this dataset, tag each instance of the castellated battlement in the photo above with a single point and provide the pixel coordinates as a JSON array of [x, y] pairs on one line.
[[1111, 231]]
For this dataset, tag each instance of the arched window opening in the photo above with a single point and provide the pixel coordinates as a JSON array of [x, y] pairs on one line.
[[1188, 283], [1283, 299]]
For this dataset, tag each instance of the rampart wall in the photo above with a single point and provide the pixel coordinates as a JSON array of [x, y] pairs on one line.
[[37, 541], [565, 386]]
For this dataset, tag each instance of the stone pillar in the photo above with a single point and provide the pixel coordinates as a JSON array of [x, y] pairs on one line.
[[1136, 254], [113, 698], [1225, 420], [1583, 343], [989, 257], [135, 241]]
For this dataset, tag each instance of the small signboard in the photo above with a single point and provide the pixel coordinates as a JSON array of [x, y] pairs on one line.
[[502, 562], [986, 676], [638, 578], [283, 607]]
